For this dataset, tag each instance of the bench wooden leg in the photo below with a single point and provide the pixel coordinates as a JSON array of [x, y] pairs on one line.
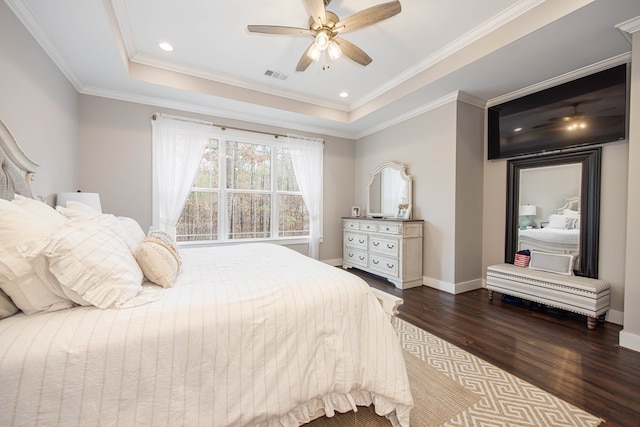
[[490, 295], [591, 322]]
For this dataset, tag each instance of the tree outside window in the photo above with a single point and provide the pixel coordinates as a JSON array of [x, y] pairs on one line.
[[244, 190]]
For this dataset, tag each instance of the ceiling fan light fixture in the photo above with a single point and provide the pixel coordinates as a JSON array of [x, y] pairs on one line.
[[334, 50], [322, 40], [314, 53]]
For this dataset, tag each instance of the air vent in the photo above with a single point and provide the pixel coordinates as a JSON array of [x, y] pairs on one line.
[[275, 75]]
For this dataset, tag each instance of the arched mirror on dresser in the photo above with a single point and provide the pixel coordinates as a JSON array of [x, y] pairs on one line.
[[553, 205], [389, 187]]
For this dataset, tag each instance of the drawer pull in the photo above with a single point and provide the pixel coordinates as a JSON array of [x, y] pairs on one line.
[[350, 255], [376, 243], [361, 258], [386, 228], [350, 239], [375, 261], [389, 246], [361, 240], [390, 265]]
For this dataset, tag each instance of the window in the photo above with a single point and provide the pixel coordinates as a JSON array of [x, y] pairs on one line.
[[244, 189]]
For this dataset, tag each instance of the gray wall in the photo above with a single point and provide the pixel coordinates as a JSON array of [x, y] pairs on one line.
[[115, 157], [39, 107]]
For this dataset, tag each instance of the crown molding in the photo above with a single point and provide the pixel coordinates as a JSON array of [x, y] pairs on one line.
[[451, 97], [458, 44], [563, 78], [231, 81], [24, 14], [627, 28], [209, 111]]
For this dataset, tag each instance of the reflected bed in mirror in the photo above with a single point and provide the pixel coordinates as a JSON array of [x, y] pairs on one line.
[[560, 196], [389, 187]]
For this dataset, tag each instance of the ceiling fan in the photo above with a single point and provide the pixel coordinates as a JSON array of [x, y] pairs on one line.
[[325, 26]]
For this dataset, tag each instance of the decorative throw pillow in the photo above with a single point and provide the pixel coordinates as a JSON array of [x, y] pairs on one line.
[[168, 240], [159, 261], [553, 263]]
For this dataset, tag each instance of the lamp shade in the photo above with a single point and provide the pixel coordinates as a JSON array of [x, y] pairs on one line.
[[90, 199], [528, 210]]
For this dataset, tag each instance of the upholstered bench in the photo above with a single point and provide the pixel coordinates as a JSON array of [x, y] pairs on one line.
[[582, 295]]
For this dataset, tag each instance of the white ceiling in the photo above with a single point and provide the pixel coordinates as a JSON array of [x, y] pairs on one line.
[[421, 57]]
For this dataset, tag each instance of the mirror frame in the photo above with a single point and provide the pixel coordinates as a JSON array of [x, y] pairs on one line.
[[589, 203], [400, 167]]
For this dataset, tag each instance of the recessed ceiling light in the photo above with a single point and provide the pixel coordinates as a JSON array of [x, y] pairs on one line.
[[517, 129], [165, 46], [344, 94]]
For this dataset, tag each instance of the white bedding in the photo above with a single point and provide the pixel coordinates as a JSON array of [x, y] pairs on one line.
[[552, 235], [249, 335]]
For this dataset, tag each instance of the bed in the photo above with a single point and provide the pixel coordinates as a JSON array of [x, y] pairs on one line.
[[253, 334], [560, 234]]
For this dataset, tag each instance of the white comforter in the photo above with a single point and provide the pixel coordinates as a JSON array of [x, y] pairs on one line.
[[249, 335]]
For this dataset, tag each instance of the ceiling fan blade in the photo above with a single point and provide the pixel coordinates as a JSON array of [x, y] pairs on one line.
[[316, 10], [368, 16], [353, 52], [275, 29], [305, 61]]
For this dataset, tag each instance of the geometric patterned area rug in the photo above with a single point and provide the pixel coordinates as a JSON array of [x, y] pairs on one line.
[[505, 400], [452, 387]]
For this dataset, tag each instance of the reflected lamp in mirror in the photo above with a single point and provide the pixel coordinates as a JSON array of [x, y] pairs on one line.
[[90, 199], [526, 212]]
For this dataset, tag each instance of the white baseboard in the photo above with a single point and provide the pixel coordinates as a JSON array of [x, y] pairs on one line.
[[334, 262], [629, 340], [452, 288], [615, 316]]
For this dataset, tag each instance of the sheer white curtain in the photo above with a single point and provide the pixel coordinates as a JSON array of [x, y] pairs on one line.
[[178, 144], [306, 157]]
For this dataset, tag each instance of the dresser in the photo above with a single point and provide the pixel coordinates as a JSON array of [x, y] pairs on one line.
[[390, 248]]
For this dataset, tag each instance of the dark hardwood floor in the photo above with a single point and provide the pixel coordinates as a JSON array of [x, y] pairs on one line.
[[549, 348]]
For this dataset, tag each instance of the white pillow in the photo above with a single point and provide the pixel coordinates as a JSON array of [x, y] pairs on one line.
[[40, 209], [159, 261], [75, 209], [131, 232], [557, 221], [88, 258], [7, 307], [553, 263], [18, 279]]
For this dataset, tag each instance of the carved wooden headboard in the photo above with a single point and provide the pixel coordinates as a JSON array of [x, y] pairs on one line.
[[17, 170], [571, 203]]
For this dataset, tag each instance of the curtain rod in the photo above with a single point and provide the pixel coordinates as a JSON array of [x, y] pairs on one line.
[[276, 135]]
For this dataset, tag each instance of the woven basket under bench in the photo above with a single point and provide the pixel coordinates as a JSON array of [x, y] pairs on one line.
[[582, 295]]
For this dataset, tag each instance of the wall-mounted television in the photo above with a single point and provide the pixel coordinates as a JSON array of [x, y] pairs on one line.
[[586, 111]]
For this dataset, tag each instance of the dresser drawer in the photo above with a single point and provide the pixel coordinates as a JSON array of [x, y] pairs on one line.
[[356, 240], [356, 257], [351, 225], [383, 246], [389, 228], [368, 226], [387, 266]]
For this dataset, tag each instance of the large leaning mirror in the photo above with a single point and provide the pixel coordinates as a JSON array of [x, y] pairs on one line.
[[389, 187], [553, 205]]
